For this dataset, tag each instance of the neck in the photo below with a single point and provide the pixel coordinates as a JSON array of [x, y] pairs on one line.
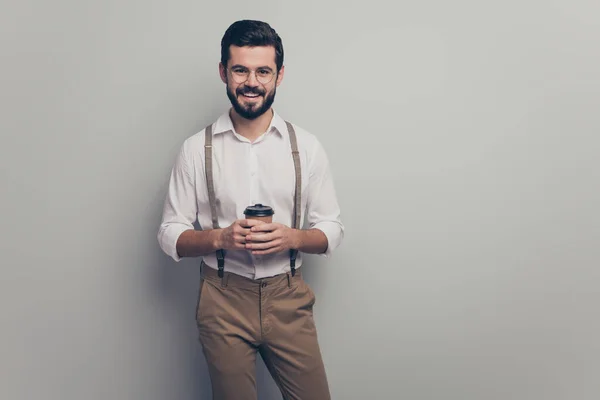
[[251, 129]]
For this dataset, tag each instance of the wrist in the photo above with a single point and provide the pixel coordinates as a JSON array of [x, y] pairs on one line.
[[217, 238], [297, 239]]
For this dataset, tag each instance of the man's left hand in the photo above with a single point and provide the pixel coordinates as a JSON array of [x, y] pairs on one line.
[[271, 238]]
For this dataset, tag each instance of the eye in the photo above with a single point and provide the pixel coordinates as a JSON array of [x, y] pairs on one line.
[[264, 72], [239, 70]]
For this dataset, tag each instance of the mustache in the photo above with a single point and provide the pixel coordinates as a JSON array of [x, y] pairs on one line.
[[250, 90]]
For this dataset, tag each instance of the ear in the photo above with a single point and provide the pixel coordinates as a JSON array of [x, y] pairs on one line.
[[280, 75], [223, 73]]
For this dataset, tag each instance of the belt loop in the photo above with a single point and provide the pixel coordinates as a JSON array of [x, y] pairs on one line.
[[289, 279]]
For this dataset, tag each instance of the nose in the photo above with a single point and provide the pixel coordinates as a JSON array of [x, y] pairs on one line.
[[252, 81]]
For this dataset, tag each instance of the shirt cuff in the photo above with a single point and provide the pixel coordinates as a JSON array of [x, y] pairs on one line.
[[334, 233], [167, 238]]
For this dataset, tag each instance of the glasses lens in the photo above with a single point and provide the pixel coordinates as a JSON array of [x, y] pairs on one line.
[[262, 76], [239, 76]]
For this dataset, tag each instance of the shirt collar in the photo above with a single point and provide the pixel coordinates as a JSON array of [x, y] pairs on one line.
[[224, 124]]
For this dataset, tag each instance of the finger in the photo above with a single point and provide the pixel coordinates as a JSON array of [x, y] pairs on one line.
[[258, 237], [249, 222], [242, 232], [237, 245], [240, 240], [264, 228]]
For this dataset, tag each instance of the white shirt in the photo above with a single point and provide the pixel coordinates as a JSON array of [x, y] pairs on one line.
[[245, 174]]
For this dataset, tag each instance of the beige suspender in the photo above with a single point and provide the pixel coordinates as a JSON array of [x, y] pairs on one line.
[[212, 200], [297, 192], [209, 176], [208, 164]]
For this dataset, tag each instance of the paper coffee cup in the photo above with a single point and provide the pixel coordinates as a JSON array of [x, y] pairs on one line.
[[259, 212]]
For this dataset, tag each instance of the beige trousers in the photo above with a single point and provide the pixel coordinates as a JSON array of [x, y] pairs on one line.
[[238, 317]]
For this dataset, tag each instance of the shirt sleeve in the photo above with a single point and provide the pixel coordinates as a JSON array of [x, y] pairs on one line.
[[180, 206], [322, 208]]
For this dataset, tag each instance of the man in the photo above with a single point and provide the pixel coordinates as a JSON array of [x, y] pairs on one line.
[[252, 296]]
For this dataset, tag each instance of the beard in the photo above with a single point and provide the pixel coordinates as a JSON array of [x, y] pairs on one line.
[[251, 110]]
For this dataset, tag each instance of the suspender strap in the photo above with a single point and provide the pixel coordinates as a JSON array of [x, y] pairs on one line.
[[297, 192], [211, 192]]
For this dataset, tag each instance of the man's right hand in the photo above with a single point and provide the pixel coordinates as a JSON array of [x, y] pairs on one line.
[[234, 236]]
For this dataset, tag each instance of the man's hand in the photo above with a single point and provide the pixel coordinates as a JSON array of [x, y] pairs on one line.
[[234, 236], [271, 238]]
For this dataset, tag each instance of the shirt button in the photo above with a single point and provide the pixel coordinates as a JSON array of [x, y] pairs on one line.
[[264, 284]]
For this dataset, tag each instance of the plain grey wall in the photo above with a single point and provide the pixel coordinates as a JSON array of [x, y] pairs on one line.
[[463, 138]]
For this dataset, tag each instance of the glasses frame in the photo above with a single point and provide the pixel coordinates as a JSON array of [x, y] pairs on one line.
[[249, 72]]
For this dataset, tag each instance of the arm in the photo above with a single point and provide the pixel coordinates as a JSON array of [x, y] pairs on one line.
[[311, 241], [176, 235], [193, 243], [201, 243], [322, 208], [275, 238]]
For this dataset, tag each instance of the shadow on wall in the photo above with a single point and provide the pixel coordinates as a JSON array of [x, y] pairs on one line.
[[177, 284]]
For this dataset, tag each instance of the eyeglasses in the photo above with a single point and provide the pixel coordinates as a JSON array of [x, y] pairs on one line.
[[241, 75]]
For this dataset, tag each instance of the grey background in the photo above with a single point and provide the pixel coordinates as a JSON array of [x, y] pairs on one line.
[[463, 138]]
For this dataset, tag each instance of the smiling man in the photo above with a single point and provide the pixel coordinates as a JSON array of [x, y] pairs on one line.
[[253, 298]]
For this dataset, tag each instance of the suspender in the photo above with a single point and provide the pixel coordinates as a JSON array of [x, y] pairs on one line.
[[212, 198], [211, 192], [297, 192]]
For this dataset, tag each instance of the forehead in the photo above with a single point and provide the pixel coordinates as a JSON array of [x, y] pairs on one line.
[[252, 57]]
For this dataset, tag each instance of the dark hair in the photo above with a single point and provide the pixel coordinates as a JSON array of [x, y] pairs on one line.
[[251, 33]]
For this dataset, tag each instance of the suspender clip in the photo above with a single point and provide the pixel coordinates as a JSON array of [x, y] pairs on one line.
[[293, 254], [221, 262]]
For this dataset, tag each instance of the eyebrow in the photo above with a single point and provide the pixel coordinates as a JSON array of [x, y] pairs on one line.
[[243, 66]]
